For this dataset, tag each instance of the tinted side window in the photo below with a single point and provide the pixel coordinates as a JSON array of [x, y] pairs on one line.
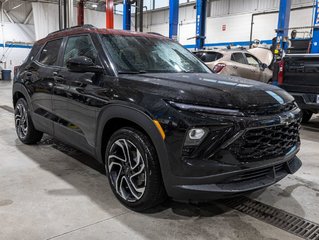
[[50, 52], [238, 57], [252, 60], [209, 56], [80, 46]]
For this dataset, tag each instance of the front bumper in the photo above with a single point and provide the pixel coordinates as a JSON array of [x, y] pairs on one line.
[[237, 183], [307, 101], [203, 176]]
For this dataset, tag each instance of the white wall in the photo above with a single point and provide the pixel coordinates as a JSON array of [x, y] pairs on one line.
[[236, 16], [13, 54], [46, 19]]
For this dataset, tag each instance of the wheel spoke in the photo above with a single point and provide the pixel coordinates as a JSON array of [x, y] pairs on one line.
[[123, 147], [116, 158], [118, 174], [131, 188]]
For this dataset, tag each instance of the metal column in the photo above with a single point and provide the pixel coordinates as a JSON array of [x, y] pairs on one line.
[[60, 14], [109, 14], [81, 13], [200, 23], [173, 18], [141, 17], [283, 23], [127, 15], [315, 35]]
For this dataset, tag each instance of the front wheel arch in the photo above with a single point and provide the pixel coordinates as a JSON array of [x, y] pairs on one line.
[[135, 118]]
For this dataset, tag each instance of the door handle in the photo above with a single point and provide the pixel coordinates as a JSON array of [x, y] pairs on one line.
[[58, 78], [235, 67], [28, 74]]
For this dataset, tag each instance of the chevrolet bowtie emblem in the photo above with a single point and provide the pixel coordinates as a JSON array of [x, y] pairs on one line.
[[287, 118]]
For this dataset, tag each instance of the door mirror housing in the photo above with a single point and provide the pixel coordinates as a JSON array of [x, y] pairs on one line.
[[263, 66], [82, 64]]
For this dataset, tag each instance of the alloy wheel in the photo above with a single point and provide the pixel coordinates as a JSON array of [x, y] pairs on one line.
[[127, 171], [21, 120]]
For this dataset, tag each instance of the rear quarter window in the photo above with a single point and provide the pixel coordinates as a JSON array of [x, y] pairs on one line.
[[209, 56]]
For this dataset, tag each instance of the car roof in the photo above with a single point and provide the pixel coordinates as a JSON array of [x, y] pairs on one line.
[[91, 29], [223, 50]]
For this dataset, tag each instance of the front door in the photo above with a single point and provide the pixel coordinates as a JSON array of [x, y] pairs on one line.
[[254, 67], [80, 118]]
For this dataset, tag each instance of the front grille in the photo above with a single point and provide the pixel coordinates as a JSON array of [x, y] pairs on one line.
[[266, 143], [265, 111]]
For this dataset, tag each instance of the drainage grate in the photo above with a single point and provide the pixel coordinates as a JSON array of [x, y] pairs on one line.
[[276, 217], [7, 108]]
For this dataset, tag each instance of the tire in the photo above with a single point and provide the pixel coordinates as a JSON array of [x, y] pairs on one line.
[[135, 178], [24, 125], [306, 116]]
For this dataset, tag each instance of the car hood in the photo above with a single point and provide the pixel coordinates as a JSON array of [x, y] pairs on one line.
[[208, 89]]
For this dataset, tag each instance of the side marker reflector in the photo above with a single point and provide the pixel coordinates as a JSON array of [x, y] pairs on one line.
[[160, 129]]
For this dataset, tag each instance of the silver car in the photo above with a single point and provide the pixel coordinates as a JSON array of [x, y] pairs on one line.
[[236, 62]]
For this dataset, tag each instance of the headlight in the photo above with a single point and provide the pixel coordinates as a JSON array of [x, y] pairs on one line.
[[196, 108]]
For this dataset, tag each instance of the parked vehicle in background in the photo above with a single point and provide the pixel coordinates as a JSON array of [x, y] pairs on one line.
[[298, 74], [236, 62], [155, 116]]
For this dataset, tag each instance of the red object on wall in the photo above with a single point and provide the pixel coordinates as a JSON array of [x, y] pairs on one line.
[[109, 14], [81, 13], [224, 27]]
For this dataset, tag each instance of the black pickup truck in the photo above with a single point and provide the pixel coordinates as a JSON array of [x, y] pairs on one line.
[[299, 75]]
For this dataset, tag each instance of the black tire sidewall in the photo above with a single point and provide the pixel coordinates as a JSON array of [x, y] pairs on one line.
[[306, 116]]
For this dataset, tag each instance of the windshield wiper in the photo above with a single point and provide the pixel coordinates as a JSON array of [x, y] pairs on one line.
[[133, 72], [128, 72]]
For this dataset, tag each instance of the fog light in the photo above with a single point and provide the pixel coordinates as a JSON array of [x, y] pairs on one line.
[[196, 133], [195, 136]]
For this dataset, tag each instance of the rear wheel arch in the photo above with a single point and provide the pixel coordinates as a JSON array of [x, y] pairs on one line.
[[16, 96], [19, 91]]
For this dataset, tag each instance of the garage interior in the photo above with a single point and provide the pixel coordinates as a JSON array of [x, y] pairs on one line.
[[53, 191]]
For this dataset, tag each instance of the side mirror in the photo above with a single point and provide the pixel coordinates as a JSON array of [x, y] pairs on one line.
[[263, 66], [82, 64]]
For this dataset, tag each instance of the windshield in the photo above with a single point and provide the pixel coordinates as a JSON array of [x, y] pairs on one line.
[[140, 54]]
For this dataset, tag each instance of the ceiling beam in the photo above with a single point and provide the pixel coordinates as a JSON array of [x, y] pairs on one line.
[[8, 16], [27, 19]]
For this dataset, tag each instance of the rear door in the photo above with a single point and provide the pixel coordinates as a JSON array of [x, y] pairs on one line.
[[41, 73]]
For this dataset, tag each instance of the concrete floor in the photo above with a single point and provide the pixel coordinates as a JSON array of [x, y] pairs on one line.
[[51, 191]]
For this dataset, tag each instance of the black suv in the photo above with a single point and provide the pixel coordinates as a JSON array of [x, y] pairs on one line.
[[158, 119]]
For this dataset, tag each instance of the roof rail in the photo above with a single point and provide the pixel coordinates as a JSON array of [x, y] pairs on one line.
[[155, 33], [65, 29]]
